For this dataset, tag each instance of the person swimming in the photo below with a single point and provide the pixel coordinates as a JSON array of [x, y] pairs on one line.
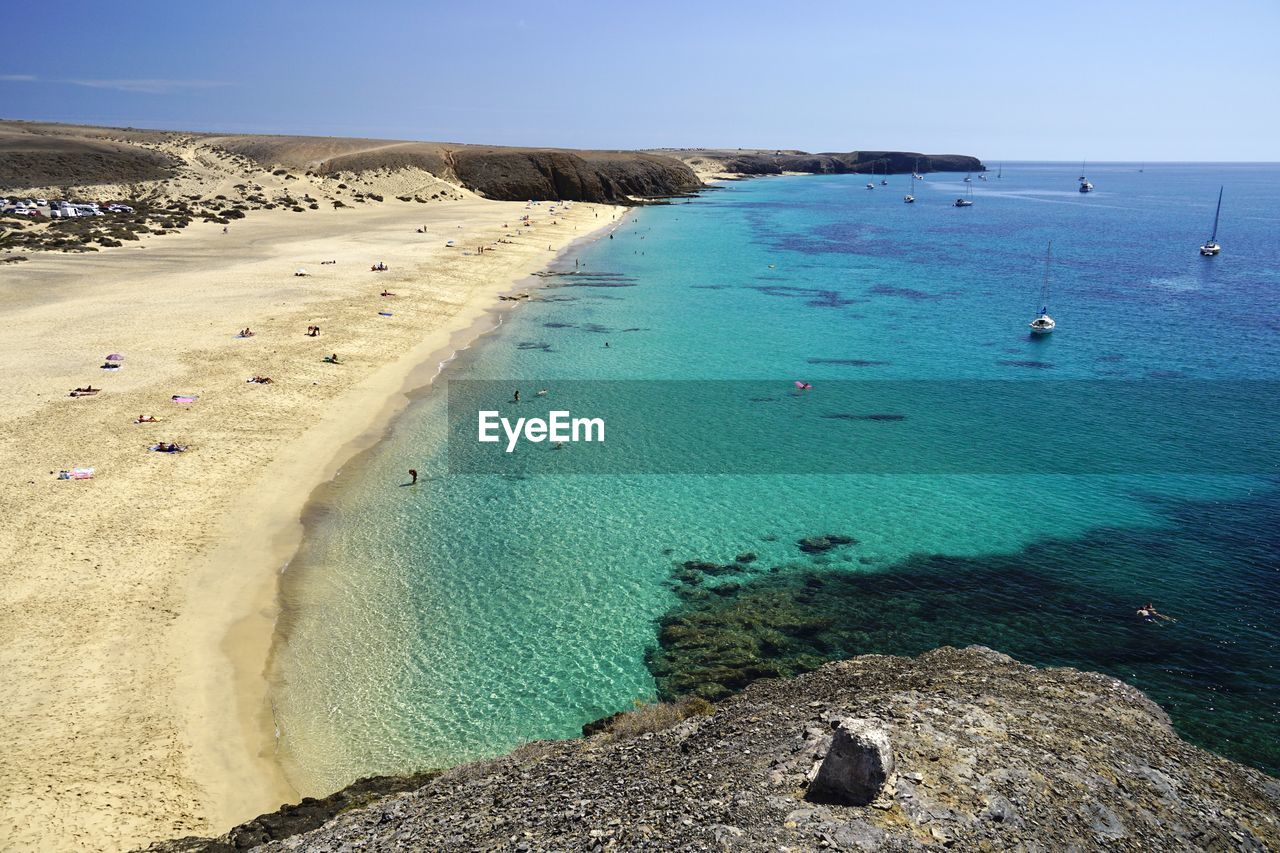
[[1149, 613]]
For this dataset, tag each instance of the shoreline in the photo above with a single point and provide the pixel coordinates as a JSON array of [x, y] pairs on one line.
[[248, 641], [134, 604]]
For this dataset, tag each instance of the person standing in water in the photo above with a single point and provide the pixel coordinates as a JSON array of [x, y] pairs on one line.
[[413, 476], [517, 395]]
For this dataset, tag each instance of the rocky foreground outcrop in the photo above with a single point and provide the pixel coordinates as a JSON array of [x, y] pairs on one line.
[[959, 748]]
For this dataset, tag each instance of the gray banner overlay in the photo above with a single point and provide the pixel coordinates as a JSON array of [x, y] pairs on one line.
[[870, 427]]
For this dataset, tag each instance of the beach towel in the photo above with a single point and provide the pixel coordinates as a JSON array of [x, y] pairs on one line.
[[384, 314], [76, 474], [184, 398]]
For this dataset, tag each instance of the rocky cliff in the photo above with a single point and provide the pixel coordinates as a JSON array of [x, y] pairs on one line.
[[711, 162], [958, 748], [40, 155], [517, 175]]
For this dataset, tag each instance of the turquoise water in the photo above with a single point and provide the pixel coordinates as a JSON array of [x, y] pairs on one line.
[[458, 618]]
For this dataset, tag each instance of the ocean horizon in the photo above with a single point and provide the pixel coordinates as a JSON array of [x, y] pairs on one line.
[[451, 620]]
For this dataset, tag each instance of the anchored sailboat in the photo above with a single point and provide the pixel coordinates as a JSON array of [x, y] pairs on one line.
[[909, 198], [967, 201], [1085, 186], [1211, 247], [1043, 324]]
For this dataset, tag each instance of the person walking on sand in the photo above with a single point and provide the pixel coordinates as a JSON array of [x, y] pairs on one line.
[[413, 476]]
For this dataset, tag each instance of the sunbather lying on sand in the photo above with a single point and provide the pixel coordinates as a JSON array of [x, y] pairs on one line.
[[260, 380], [85, 391], [146, 419], [245, 333], [386, 293], [167, 448], [331, 359]]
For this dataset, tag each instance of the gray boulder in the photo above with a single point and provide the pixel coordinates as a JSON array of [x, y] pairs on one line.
[[857, 767]]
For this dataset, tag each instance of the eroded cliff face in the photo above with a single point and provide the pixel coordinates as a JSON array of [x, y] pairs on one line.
[[709, 162], [965, 748], [521, 174]]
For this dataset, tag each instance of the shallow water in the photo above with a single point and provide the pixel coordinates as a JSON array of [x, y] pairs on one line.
[[458, 618]]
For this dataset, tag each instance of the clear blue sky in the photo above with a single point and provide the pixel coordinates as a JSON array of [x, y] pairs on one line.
[[1139, 80]]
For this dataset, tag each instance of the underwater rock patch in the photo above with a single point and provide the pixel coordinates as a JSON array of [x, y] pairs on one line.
[[825, 543]]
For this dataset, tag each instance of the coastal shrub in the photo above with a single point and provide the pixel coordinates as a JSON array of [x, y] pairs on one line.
[[235, 213], [337, 203], [108, 242], [314, 206], [404, 198], [280, 172], [374, 196], [656, 717]]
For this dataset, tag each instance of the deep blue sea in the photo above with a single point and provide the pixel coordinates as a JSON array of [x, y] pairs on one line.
[[431, 625]]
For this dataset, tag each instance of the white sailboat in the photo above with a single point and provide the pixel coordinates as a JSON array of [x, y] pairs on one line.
[[1000, 171], [1043, 324], [909, 198], [1211, 247], [915, 173], [967, 200], [1085, 186]]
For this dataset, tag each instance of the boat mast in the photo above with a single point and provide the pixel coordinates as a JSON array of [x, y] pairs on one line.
[[1044, 291], [1216, 214]]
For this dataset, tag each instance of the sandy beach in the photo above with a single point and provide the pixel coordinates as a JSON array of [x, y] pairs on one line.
[[138, 606]]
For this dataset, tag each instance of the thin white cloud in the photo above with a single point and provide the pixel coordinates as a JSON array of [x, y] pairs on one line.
[[147, 87]]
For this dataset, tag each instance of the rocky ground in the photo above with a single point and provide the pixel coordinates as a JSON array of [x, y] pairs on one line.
[[965, 749]]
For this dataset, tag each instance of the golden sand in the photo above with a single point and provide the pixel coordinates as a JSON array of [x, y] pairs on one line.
[[137, 607]]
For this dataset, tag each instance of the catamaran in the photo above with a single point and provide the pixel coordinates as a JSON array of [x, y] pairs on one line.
[[1043, 324], [1211, 247]]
